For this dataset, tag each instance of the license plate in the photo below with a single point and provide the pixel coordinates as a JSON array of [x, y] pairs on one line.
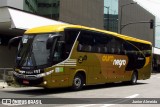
[[25, 82]]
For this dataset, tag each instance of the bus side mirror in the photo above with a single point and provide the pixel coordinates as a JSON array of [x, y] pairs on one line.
[[51, 40], [14, 41]]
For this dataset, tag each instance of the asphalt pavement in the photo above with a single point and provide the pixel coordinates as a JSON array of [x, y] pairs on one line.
[[118, 94]]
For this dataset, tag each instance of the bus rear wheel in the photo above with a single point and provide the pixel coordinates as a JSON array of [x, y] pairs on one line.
[[78, 82], [134, 78]]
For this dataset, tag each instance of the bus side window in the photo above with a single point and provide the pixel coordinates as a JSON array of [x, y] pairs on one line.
[[102, 49], [80, 47], [70, 36], [146, 49], [86, 48], [111, 45], [101, 41], [119, 46], [125, 52], [85, 42]]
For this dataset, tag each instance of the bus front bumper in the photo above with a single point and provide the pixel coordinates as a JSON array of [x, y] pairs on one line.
[[30, 80]]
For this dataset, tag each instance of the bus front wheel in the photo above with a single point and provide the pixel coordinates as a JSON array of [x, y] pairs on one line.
[[77, 82]]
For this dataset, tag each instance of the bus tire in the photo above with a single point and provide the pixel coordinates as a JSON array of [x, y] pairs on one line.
[[78, 82], [134, 78]]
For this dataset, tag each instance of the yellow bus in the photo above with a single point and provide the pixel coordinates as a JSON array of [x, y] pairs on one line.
[[74, 56]]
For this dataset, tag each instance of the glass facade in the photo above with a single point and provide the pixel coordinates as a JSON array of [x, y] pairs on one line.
[[49, 8], [111, 15], [46, 8], [31, 6]]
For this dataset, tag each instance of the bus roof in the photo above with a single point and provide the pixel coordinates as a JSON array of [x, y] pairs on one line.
[[61, 27]]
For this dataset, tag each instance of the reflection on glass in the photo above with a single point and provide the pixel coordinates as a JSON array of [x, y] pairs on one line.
[[111, 15]]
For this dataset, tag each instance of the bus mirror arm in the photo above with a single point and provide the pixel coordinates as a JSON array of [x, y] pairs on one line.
[[14, 40]]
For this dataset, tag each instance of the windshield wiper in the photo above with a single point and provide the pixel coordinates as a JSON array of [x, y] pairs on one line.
[[26, 54]]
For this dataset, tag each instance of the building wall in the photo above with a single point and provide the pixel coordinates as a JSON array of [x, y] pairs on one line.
[[12, 3], [27, 5], [135, 13], [3, 3], [15, 3], [7, 57], [84, 12]]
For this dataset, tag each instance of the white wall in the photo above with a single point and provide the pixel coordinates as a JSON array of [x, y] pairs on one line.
[[157, 32], [3, 3], [12, 3], [4, 15], [15, 3]]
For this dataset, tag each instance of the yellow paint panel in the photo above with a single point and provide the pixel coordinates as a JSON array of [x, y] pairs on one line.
[[46, 29], [61, 27], [147, 61]]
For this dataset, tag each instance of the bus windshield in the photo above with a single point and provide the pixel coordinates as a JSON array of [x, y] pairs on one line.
[[33, 51]]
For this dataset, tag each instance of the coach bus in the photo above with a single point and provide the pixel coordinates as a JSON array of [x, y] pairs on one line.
[[74, 56]]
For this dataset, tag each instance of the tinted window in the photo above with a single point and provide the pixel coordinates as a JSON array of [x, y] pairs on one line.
[[86, 42], [99, 43], [130, 49], [70, 37], [145, 48], [115, 46]]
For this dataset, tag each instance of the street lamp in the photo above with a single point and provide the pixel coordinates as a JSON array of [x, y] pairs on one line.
[[151, 22], [107, 17], [121, 9]]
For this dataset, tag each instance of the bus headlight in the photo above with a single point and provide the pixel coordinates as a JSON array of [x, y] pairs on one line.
[[48, 73], [45, 74], [40, 75], [45, 82]]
